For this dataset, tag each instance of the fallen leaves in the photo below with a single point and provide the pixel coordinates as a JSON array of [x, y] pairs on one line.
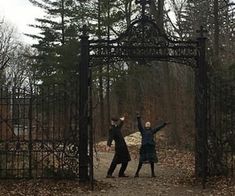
[[48, 187], [178, 166], [175, 176]]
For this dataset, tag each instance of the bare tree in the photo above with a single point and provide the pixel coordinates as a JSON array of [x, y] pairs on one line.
[[19, 71], [14, 62], [8, 44]]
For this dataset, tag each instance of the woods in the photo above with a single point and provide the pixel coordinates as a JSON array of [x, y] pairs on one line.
[[56, 54]]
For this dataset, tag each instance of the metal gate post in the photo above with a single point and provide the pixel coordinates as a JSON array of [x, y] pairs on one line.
[[91, 168], [30, 117], [201, 154], [83, 108]]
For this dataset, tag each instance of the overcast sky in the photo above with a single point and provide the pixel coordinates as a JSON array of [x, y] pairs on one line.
[[20, 13]]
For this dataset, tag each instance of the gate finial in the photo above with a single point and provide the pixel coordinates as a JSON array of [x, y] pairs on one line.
[[84, 30], [143, 3]]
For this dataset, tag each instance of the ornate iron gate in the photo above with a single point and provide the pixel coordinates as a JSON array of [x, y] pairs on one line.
[[221, 118], [38, 132], [144, 41], [39, 126]]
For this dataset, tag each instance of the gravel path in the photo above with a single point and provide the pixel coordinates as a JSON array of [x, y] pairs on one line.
[[174, 177], [167, 181]]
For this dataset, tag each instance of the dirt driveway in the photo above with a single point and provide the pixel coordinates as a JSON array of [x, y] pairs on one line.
[[170, 179], [174, 177]]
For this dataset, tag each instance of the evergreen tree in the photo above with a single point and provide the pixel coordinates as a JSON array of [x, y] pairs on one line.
[[58, 45], [214, 15]]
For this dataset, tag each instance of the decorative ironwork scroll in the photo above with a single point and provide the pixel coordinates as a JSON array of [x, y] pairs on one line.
[[143, 39]]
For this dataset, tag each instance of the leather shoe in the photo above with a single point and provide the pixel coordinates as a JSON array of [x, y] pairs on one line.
[[110, 176]]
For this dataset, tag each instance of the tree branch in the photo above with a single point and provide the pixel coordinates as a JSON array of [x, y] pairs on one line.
[[4, 64], [227, 5]]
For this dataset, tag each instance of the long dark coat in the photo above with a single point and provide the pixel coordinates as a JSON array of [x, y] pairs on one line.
[[121, 151]]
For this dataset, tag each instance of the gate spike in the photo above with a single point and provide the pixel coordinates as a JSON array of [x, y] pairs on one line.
[[143, 3]]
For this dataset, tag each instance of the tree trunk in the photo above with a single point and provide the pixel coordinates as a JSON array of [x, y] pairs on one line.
[[160, 14], [101, 99], [216, 35], [167, 87], [62, 22], [108, 71]]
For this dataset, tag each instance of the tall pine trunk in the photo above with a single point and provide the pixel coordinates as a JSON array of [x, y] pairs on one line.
[[216, 35], [62, 22], [169, 103], [108, 69], [101, 92]]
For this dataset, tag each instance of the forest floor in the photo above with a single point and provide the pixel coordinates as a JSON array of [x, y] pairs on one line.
[[174, 176]]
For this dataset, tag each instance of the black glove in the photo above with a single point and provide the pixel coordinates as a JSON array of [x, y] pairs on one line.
[[167, 123]]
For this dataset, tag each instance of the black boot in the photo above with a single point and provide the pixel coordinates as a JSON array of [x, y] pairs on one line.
[[122, 170], [111, 169], [138, 169], [152, 170]]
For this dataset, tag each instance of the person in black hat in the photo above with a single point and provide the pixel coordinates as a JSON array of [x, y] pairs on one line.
[[121, 155], [147, 149]]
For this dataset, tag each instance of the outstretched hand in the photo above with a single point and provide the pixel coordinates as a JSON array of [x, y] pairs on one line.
[[122, 118], [167, 123], [108, 148]]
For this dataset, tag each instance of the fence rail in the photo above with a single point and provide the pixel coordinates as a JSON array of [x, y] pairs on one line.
[[39, 132], [39, 136], [220, 126]]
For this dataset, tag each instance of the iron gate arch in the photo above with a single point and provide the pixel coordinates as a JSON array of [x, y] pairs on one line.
[[143, 40]]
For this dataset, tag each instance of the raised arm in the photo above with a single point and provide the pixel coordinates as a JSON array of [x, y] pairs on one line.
[[140, 127], [121, 122], [159, 127]]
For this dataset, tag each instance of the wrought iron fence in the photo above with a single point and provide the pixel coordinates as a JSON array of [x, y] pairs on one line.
[[221, 125], [39, 132]]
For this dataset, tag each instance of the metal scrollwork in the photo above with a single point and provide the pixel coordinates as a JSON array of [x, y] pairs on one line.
[[143, 39]]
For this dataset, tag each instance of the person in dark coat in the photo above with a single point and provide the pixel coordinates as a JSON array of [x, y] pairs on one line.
[[121, 155], [147, 150]]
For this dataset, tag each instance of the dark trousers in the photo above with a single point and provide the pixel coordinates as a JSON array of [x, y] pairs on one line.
[[140, 165], [113, 166]]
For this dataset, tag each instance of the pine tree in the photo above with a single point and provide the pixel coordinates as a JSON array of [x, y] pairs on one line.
[[58, 42]]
